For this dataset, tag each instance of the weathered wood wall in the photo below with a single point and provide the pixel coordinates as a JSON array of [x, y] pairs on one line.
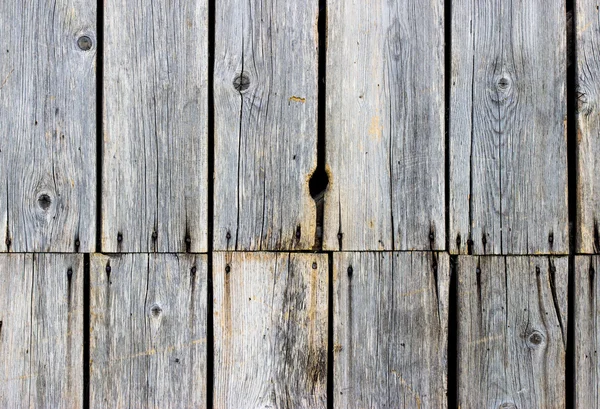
[[163, 243]]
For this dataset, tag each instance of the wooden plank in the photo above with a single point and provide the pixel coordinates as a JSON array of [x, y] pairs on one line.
[[270, 330], [155, 172], [587, 332], [48, 126], [390, 328], [512, 332], [588, 126], [41, 331], [265, 96], [508, 141], [385, 125], [148, 331]]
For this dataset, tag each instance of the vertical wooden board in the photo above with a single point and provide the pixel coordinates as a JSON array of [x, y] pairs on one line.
[[47, 126], [512, 332], [508, 146], [155, 172], [270, 329], [587, 332], [588, 126], [390, 330], [265, 96], [148, 331], [41, 331], [385, 125]]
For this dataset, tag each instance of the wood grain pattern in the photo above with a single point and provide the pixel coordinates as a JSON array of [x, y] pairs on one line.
[[587, 332], [47, 126], [508, 141], [148, 331], [155, 171], [390, 330], [265, 95], [270, 329], [41, 331], [385, 125], [512, 332], [588, 126]]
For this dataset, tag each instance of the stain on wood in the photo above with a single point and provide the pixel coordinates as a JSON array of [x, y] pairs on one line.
[[47, 126], [508, 147], [265, 96], [270, 330], [512, 321], [41, 330], [390, 329], [148, 330], [385, 125], [155, 134]]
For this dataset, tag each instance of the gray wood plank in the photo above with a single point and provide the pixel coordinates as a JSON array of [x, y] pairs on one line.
[[148, 331], [270, 330], [47, 126], [588, 126], [508, 141], [265, 95], [41, 331], [385, 125], [512, 332], [587, 332], [155, 172], [390, 330]]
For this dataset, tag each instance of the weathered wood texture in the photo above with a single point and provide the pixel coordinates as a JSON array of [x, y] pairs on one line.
[[512, 332], [391, 330], [41, 331], [508, 146], [587, 332], [148, 331], [265, 95], [270, 330], [47, 126], [155, 172], [588, 126], [385, 125]]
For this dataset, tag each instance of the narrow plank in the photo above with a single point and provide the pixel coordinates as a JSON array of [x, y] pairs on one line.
[[508, 145], [265, 96], [588, 126], [155, 172], [512, 332], [390, 328], [148, 331], [587, 332], [385, 125], [270, 330], [41, 331], [48, 126]]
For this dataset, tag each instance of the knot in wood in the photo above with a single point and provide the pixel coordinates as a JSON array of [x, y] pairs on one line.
[[314, 265], [193, 270], [227, 268], [241, 82], [503, 84], [507, 405], [156, 310], [84, 43], [44, 201], [535, 339]]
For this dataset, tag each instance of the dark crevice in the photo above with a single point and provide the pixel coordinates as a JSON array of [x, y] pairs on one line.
[[330, 338], [86, 331], [453, 335], [99, 121], [319, 179], [210, 211], [447, 96]]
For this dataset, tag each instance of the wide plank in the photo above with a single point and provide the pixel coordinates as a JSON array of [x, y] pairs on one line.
[[385, 125], [48, 126], [41, 331], [270, 330], [148, 331], [390, 330], [512, 332], [265, 102], [155, 155], [588, 126], [508, 140]]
